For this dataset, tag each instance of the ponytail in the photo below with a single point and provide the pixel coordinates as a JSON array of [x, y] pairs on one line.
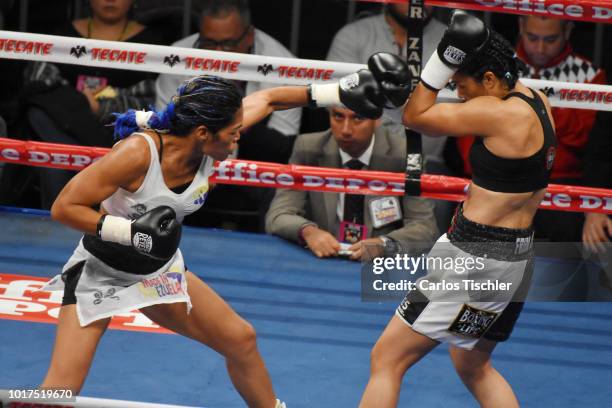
[[133, 121]]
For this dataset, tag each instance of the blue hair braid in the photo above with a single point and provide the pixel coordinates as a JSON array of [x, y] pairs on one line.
[[126, 124], [201, 101]]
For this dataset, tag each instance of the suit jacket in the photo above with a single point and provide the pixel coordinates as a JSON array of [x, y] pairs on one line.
[[291, 209]]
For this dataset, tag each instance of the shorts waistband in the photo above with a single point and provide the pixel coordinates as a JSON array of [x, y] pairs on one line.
[[506, 244]]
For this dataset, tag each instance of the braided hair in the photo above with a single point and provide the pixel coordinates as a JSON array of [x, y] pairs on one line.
[[204, 100], [498, 57]]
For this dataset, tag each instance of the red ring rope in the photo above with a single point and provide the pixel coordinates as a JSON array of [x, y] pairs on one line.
[[260, 174], [582, 10]]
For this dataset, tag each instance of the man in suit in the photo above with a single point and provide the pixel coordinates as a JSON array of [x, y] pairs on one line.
[[323, 221]]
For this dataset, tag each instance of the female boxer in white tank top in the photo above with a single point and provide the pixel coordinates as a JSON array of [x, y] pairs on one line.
[[159, 153], [135, 233]]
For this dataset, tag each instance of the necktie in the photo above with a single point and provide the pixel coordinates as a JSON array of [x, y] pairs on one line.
[[353, 203]]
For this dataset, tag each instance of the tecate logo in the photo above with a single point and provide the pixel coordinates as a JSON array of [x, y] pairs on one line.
[[172, 60]]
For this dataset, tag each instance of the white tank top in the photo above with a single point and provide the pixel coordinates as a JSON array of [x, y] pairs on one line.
[[153, 192]]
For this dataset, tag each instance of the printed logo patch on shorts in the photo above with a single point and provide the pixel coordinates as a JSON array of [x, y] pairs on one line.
[[472, 322]]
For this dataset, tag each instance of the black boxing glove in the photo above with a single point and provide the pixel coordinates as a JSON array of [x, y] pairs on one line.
[[464, 36], [156, 233], [393, 76], [359, 92]]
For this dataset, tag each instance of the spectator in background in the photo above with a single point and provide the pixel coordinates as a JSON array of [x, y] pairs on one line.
[[544, 46], [597, 229], [71, 104], [226, 26], [323, 220], [598, 173], [386, 32]]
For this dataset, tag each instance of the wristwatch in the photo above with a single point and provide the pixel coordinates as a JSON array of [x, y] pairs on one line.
[[390, 246]]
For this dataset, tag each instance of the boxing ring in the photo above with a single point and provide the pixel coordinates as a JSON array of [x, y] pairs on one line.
[[315, 332]]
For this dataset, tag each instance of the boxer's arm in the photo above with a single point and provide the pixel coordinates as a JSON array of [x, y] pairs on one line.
[[359, 92], [479, 116], [258, 105], [123, 166]]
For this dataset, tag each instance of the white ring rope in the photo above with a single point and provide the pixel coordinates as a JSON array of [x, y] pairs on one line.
[[168, 60], [245, 67]]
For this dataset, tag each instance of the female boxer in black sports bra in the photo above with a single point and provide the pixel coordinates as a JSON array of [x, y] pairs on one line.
[[511, 160]]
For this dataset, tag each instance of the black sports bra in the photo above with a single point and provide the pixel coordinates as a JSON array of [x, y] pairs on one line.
[[516, 175]]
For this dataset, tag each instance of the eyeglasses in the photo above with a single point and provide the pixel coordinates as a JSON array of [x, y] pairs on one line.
[[225, 45]]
